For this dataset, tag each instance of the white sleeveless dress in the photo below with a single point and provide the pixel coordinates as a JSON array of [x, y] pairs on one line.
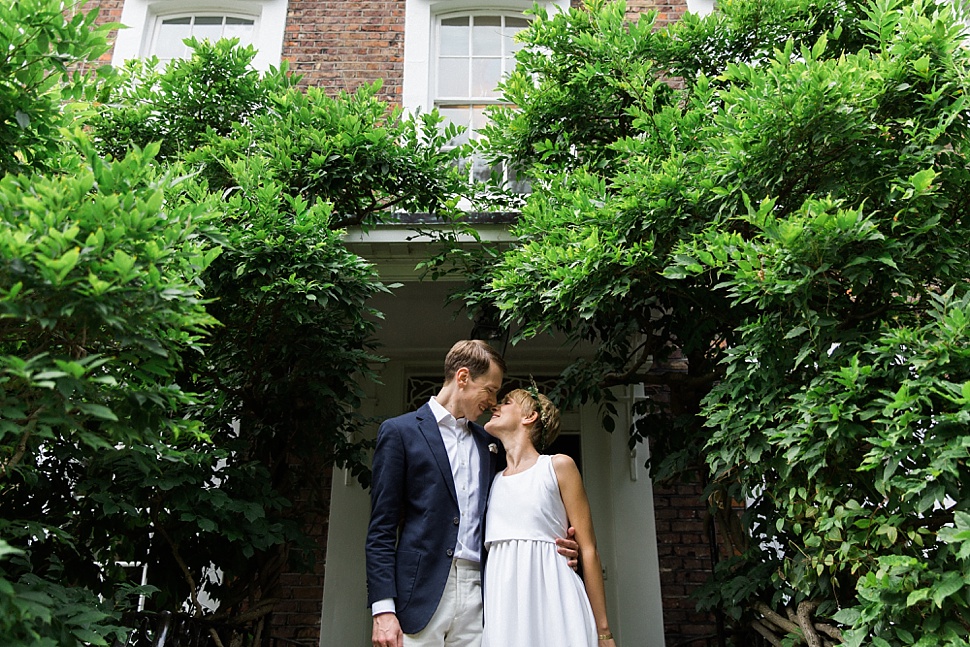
[[532, 597]]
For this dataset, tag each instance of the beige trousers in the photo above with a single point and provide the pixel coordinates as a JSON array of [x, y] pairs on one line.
[[458, 620]]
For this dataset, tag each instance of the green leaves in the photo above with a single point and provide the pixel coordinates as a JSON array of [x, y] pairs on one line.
[[285, 169], [791, 221], [40, 43], [99, 299]]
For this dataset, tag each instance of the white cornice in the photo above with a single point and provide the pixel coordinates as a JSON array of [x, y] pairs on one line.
[[396, 250]]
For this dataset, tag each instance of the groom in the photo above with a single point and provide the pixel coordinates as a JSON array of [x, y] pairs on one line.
[[432, 471]]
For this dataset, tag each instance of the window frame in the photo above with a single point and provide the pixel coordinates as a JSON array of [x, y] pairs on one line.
[[421, 47], [159, 20], [143, 17], [473, 105], [421, 41]]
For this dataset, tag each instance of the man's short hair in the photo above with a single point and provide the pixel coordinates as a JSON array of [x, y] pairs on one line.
[[475, 355]]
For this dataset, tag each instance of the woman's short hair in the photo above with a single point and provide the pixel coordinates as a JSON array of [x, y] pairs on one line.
[[547, 427], [475, 355]]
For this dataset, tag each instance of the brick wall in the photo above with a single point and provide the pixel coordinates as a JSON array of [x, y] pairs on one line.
[[340, 45], [296, 617], [668, 11], [108, 11], [685, 562]]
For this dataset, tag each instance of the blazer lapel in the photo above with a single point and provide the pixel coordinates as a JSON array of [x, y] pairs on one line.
[[428, 427]]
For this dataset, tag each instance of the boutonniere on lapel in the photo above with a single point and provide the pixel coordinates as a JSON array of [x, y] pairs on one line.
[[492, 447]]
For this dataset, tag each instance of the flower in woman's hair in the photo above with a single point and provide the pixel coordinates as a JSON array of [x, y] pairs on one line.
[[533, 392]]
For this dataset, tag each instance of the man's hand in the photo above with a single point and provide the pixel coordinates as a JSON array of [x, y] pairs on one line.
[[387, 631], [569, 549]]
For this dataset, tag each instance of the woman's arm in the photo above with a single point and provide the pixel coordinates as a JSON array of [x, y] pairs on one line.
[[577, 511]]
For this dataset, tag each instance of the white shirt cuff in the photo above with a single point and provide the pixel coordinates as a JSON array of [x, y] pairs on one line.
[[383, 606]]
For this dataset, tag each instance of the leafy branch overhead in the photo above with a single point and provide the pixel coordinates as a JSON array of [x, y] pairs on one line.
[[767, 216], [184, 339]]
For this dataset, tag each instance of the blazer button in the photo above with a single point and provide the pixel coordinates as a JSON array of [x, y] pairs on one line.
[[455, 521], [449, 552]]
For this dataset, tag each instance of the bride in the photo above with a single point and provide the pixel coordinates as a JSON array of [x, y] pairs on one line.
[[532, 598]]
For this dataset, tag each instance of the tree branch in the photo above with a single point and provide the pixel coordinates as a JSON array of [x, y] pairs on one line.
[[21, 450], [767, 633], [215, 637], [804, 616], [186, 573], [829, 630], [784, 623], [261, 610], [614, 379]]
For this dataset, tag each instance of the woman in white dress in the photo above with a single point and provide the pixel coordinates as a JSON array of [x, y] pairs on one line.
[[532, 597]]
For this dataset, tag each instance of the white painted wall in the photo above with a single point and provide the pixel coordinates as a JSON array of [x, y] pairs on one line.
[[700, 7]]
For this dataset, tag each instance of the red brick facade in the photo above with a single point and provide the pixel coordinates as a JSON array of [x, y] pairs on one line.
[[108, 11], [667, 12], [340, 45], [296, 618], [684, 549]]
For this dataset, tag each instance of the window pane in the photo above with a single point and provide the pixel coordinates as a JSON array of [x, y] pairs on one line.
[[486, 73], [168, 41], [512, 27], [240, 28], [457, 115], [478, 117], [208, 28], [453, 37], [473, 54], [487, 36], [453, 77], [172, 31], [481, 170]]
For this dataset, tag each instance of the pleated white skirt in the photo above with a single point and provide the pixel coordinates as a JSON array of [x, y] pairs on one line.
[[533, 598]]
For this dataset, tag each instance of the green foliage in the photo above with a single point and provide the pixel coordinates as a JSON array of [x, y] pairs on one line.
[[99, 300], [286, 168], [352, 152], [789, 218], [38, 612], [186, 102], [587, 87], [43, 66], [183, 334]]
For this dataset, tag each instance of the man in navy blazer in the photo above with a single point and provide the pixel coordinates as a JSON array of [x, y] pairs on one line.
[[432, 471]]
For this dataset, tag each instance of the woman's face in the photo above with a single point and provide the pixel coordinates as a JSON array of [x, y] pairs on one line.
[[506, 416]]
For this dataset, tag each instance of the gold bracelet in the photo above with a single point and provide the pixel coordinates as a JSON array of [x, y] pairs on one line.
[[607, 636]]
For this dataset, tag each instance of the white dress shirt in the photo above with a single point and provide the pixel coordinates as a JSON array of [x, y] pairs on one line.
[[465, 470]]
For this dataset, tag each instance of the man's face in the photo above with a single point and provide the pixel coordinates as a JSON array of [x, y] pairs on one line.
[[478, 394]]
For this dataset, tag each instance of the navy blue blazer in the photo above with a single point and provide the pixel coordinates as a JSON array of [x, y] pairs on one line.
[[413, 527]]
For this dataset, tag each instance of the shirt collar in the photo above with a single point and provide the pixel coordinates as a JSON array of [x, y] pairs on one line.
[[443, 416]]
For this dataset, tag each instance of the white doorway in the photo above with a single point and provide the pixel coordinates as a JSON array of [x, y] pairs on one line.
[[620, 492]]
